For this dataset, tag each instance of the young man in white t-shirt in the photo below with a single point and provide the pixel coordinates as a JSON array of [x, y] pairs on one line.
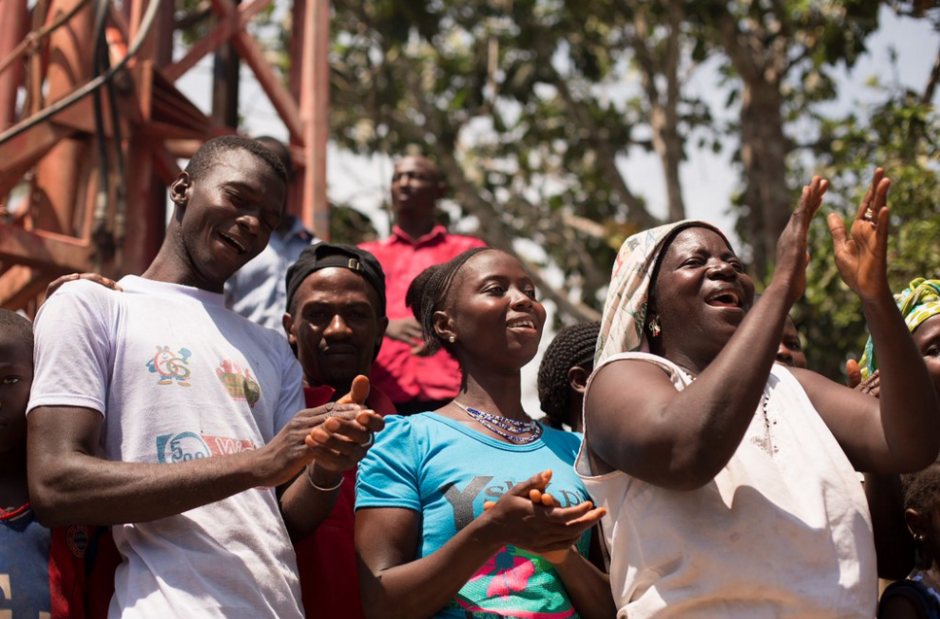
[[160, 412]]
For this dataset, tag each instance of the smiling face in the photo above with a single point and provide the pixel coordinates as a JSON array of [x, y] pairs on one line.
[[927, 338], [335, 327], [701, 295], [226, 217], [493, 313], [416, 188], [16, 376]]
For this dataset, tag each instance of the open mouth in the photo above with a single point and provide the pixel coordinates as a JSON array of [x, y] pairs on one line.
[[725, 298], [521, 323], [231, 242]]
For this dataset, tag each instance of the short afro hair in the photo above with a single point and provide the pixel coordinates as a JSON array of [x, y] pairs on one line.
[[15, 328], [210, 152], [573, 346], [922, 489]]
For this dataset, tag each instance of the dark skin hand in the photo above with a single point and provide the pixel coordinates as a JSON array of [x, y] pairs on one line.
[[898, 431], [493, 291], [343, 438], [681, 440], [407, 330], [69, 484], [389, 564], [92, 277], [869, 386]]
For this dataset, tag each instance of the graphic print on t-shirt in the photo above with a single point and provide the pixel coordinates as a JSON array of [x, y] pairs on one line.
[[239, 382], [77, 537], [171, 366], [186, 446], [514, 582]]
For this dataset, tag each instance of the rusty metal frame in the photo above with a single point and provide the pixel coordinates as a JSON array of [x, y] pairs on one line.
[[44, 56]]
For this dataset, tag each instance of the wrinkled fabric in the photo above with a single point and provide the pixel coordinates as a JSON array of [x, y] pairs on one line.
[[918, 302]]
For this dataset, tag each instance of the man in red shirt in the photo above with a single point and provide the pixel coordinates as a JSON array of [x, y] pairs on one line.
[[415, 382], [334, 322]]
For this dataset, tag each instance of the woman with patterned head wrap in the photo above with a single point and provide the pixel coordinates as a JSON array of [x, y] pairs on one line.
[[902, 515], [729, 480], [919, 303]]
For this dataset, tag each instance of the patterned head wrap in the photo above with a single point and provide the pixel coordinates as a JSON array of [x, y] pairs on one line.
[[627, 297], [918, 302]]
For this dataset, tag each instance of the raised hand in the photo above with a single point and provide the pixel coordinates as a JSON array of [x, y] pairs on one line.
[[529, 518], [792, 256], [862, 259]]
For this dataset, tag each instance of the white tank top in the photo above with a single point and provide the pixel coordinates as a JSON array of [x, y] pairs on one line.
[[782, 531]]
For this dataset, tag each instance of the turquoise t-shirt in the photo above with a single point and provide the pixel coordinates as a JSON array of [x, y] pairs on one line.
[[445, 471]]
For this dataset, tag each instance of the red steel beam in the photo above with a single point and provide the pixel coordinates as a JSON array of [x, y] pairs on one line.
[[220, 33], [13, 28], [314, 101], [43, 249], [20, 285], [270, 82]]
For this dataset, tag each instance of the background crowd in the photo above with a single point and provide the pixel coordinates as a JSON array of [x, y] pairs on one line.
[[371, 456]]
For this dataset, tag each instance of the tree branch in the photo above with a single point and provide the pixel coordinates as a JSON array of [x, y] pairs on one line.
[[931, 88]]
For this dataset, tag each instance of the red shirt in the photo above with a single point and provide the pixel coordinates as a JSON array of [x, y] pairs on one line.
[[401, 375], [326, 561], [60, 573]]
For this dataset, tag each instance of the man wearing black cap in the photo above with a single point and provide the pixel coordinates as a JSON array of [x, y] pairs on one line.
[[335, 321]]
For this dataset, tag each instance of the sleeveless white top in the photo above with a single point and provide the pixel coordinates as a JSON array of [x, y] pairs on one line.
[[782, 531]]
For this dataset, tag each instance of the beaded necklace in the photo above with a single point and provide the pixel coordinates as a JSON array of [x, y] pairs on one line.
[[509, 429]]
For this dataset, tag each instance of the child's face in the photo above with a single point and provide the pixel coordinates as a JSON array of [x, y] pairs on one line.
[[16, 376]]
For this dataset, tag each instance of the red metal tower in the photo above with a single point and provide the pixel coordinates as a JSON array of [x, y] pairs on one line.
[[91, 125]]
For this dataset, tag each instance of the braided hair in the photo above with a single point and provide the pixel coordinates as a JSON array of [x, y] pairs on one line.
[[573, 347], [429, 293]]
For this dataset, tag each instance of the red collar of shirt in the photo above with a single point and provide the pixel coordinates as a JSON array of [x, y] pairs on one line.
[[377, 401], [400, 235]]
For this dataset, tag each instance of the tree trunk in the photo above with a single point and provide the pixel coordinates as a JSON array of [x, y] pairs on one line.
[[764, 146], [764, 150]]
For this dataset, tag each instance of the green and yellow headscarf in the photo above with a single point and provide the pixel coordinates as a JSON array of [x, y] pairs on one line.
[[920, 301]]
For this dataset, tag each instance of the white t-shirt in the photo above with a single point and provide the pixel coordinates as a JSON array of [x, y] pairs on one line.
[[782, 531], [178, 377]]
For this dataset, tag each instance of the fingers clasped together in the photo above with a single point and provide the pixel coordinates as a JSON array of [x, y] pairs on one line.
[[530, 518], [344, 432]]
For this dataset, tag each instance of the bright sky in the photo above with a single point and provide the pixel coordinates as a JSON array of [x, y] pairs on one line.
[[708, 179]]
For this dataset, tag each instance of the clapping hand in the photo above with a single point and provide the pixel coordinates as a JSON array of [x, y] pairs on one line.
[[531, 518], [792, 257], [342, 439], [862, 259]]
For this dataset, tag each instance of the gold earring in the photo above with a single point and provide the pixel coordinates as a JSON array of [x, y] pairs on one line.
[[654, 326]]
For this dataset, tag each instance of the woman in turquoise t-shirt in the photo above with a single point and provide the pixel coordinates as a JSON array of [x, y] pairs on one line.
[[474, 510]]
